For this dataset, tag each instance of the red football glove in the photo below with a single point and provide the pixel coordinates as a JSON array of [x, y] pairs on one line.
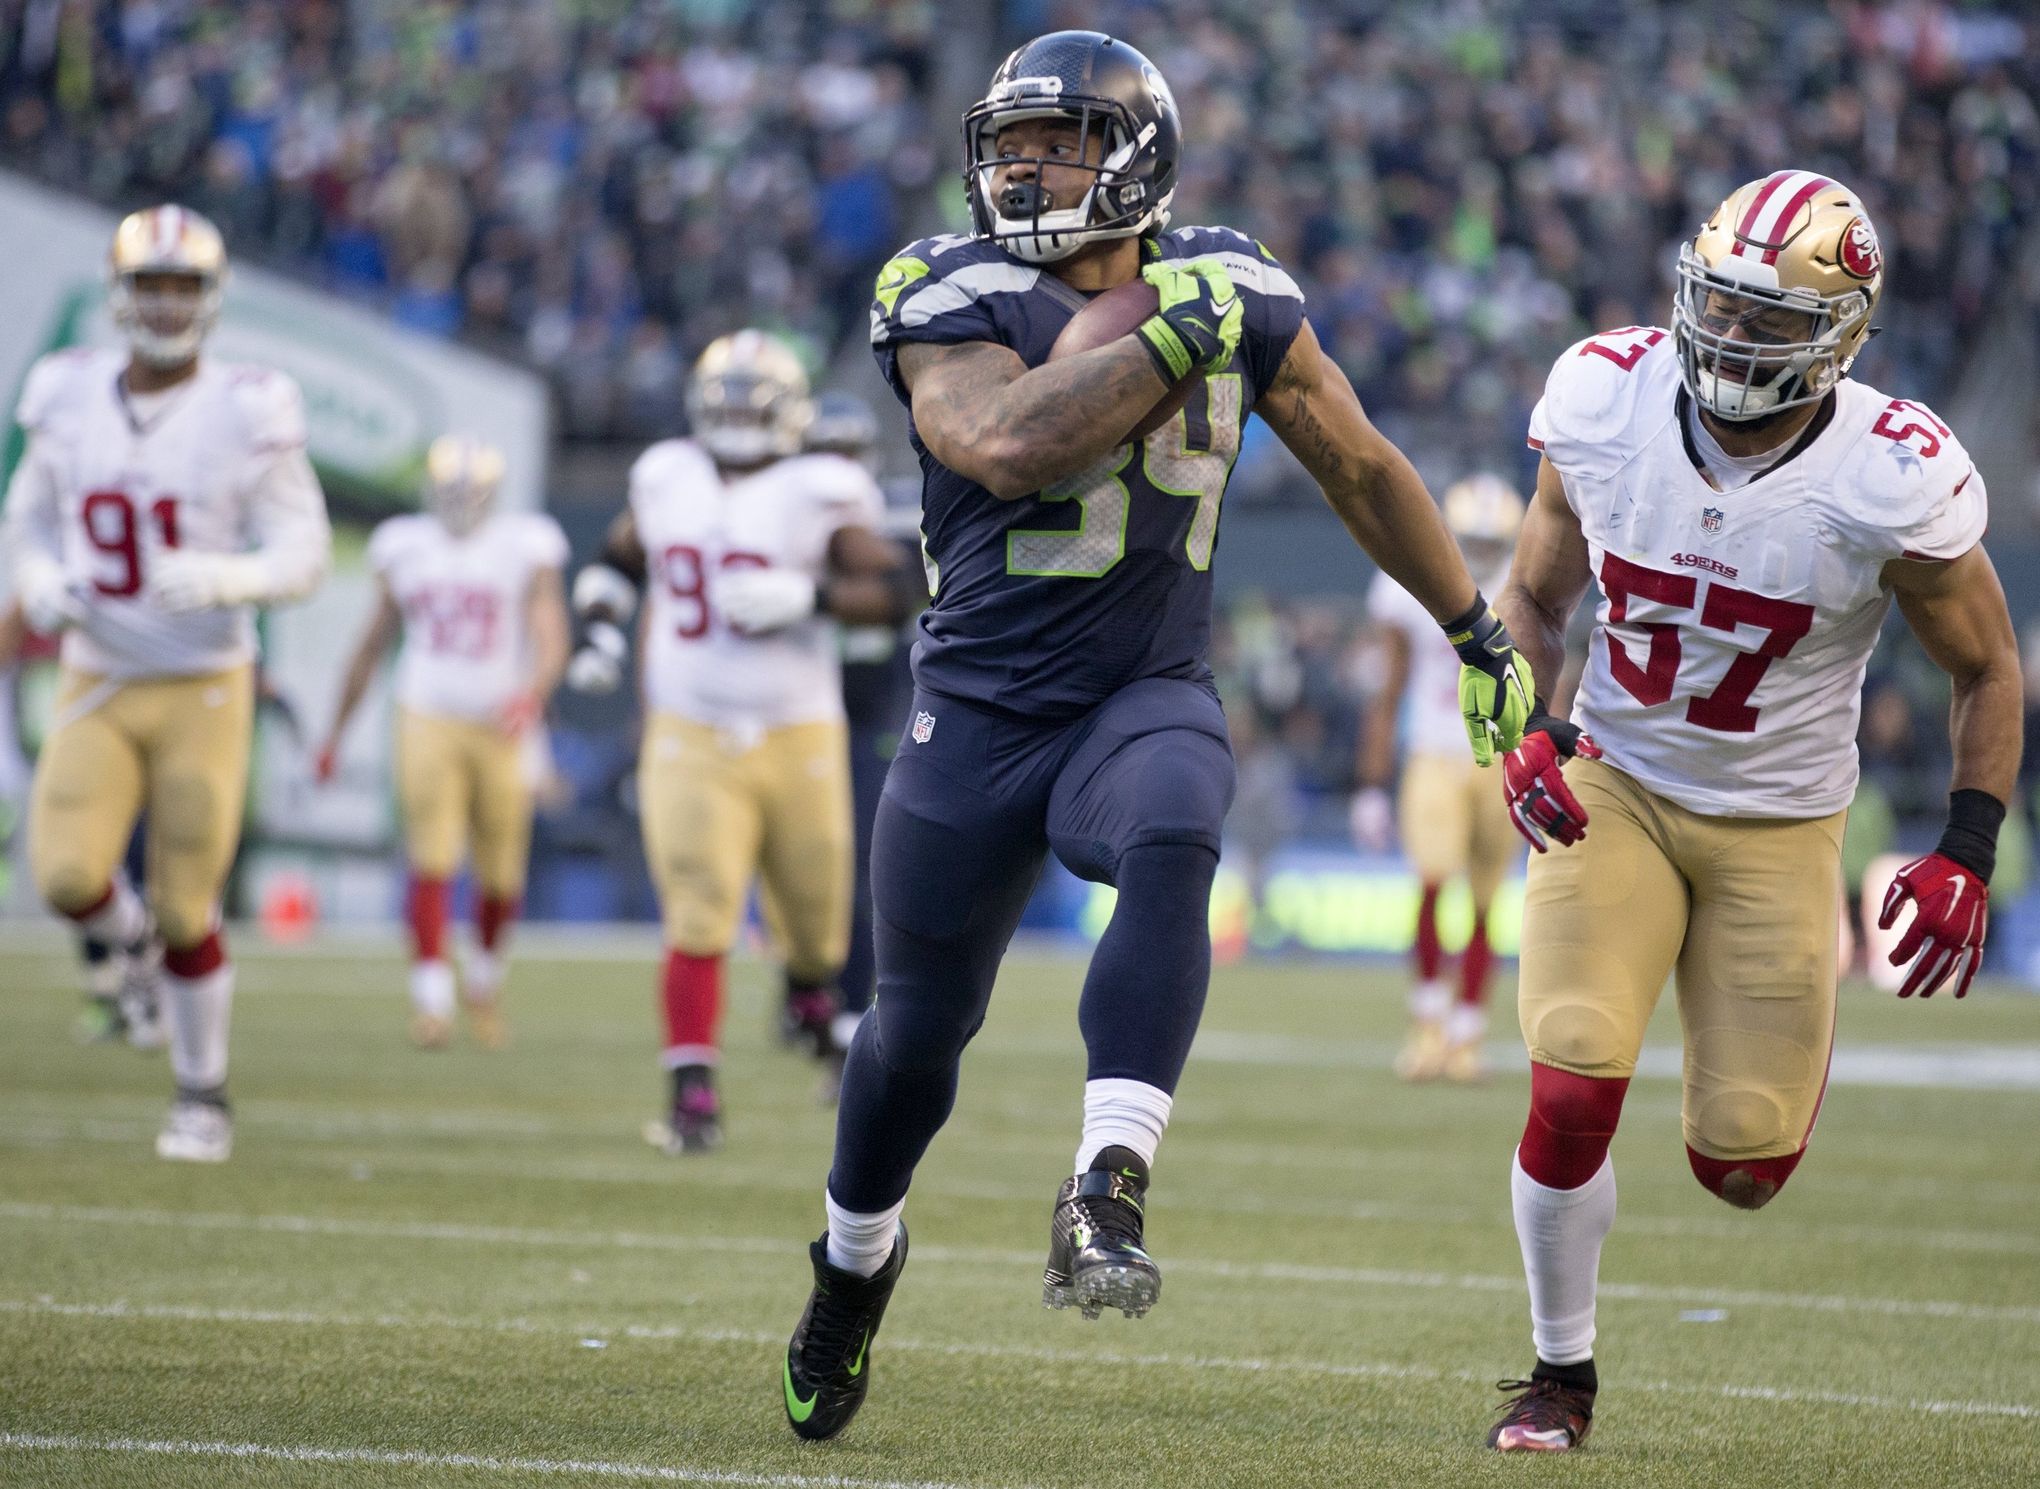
[[517, 716], [1951, 909], [1540, 803]]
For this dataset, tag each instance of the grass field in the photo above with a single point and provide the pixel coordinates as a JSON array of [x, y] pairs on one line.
[[464, 1269]]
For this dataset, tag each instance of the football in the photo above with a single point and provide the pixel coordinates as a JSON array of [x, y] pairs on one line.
[[1111, 316]]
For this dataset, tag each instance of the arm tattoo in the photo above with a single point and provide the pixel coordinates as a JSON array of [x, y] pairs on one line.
[[1310, 439]]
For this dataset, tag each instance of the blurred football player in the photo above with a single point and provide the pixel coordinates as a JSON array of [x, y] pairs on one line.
[[477, 597], [877, 685], [751, 552], [1750, 513], [1453, 820], [1063, 702], [161, 498]]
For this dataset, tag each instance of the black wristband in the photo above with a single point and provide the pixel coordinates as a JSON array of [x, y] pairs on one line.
[[1970, 838], [1458, 625]]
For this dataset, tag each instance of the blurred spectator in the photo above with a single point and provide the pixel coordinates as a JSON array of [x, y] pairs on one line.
[[1466, 188], [603, 188]]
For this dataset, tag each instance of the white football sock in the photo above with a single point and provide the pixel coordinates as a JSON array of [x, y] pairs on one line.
[[1126, 1114], [1430, 1001], [858, 1242], [121, 920], [198, 1009], [1561, 1231], [432, 989], [1467, 1024], [481, 975]]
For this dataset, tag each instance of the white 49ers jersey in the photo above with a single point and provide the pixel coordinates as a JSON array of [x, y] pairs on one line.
[[467, 647], [698, 527], [1726, 666], [108, 482], [1432, 722]]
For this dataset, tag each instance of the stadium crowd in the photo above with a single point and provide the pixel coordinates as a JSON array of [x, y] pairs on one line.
[[1463, 188]]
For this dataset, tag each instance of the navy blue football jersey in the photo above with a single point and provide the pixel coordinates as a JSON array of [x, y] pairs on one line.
[[1045, 606]]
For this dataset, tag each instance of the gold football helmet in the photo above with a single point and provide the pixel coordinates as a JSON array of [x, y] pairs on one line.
[[747, 399], [167, 275], [1775, 295], [1483, 508], [462, 476]]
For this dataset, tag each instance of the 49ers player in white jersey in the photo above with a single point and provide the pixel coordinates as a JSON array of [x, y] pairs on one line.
[[161, 498], [751, 552], [1453, 823], [1750, 514], [477, 596]]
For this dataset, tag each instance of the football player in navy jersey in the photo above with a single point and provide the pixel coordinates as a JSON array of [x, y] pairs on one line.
[[1062, 698]]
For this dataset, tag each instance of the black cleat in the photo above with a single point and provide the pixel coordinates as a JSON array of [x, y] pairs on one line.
[[828, 1360], [1095, 1260]]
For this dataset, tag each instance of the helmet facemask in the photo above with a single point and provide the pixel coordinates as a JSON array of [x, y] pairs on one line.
[[462, 477], [1748, 350], [1024, 218], [746, 418], [165, 314]]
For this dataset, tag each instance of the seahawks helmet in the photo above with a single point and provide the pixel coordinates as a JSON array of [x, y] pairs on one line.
[[1103, 86]]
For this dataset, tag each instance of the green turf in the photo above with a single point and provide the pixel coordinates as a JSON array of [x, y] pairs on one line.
[[452, 1254]]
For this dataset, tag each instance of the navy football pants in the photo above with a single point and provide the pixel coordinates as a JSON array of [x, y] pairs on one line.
[[1132, 794]]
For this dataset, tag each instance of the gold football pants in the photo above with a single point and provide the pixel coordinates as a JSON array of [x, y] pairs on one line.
[[719, 809], [463, 788], [176, 747], [1744, 911]]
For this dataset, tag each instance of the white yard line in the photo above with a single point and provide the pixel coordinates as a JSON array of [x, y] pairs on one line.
[[624, 1172], [1393, 1280], [417, 1458], [976, 1349]]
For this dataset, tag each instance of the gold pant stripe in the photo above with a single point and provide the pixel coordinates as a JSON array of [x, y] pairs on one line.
[[1743, 911]]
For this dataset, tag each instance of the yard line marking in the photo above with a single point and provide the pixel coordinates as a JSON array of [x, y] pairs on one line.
[[486, 1235], [1117, 1359], [418, 1458], [649, 1172]]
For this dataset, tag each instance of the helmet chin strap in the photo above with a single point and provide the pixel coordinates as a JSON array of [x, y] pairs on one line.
[[1054, 236]]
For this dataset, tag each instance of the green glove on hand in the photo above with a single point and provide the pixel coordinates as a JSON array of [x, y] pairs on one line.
[[1197, 326], [1495, 685]]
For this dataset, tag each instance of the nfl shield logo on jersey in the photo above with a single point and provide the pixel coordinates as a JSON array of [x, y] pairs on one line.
[[1710, 519], [924, 727]]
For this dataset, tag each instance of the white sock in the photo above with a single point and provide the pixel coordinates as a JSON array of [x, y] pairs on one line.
[[1467, 1024], [121, 920], [858, 1242], [1126, 1114], [1561, 1231], [481, 975], [1430, 1001], [198, 1010], [432, 989]]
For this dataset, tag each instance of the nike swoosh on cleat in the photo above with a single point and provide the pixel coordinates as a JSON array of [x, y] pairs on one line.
[[796, 1408], [856, 1367], [1551, 1437]]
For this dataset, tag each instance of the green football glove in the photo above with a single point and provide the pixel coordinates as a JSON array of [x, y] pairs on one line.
[[1495, 685], [1197, 326]]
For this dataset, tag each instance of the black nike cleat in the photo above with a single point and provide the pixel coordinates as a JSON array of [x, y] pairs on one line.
[[1542, 1416], [828, 1360], [1095, 1260]]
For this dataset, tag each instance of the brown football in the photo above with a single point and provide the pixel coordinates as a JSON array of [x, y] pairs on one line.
[[1111, 316]]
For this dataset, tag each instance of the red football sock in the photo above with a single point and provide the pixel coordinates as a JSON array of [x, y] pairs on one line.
[[207, 956], [427, 912], [694, 1000], [495, 914], [1430, 955], [1475, 963]]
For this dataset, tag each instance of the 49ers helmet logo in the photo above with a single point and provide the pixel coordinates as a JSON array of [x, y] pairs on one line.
[[1860, 255]]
